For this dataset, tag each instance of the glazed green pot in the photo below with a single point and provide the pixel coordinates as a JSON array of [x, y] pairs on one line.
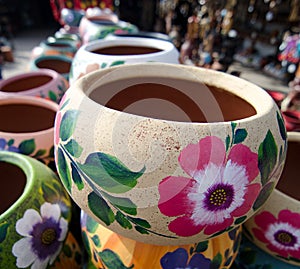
[[35, 212]]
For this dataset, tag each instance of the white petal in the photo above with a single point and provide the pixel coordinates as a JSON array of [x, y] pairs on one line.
[[22, 250], [63, 225], [53, 257], [25, 224], [50, 211], [40, 264]]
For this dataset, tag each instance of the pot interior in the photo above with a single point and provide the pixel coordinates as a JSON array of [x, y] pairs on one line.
[[26, 83], [289, 180], [172, 99], [126, 50], [25, 118], [13, 183], [60, 66]]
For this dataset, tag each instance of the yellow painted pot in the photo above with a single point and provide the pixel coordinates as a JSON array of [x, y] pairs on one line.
[[108, 250]]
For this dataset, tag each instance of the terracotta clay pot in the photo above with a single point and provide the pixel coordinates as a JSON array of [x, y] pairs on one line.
[[276, 227], [168, 154], [27, 127], [104, 246], [43, 83], [116, 50], [59, 63], [35, 212]]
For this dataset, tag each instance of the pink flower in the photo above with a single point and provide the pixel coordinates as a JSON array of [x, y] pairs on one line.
[[217, 191], [281, 235]]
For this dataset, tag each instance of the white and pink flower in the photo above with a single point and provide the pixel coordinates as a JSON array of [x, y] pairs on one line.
[[217, 191]]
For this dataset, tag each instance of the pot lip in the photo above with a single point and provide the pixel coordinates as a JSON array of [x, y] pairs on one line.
[[210, 77], [25, 164], [34, 73], [293, 137], [166, 47], [37, 101]]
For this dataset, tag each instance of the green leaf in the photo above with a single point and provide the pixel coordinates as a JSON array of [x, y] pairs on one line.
[[216, 261], [103, 65], [3, 231], [86, 242], [74, 148], [239, 136], [63, 170], [100, 208], [10, 142], [27, 147], [281, 126], [202, 246], [40, 153], [267, 156], [124, 204], [112, 260], [68, 123], [67, 250], [227, 142], [91, 225], [263, 195], [240, 220], [52, 96], [121, 219], [77, 178], [117, 63], [140, 222], [48, 191], [64, 104], [141, 230], [233, 126], [96, 240], [109, 173]]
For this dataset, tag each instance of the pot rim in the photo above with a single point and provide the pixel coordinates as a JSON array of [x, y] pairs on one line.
[[254, 95], [34, 73], [37, 101], [25, 164], [166, 47]]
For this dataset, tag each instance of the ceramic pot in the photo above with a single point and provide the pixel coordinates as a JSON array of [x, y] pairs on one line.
[[45, 83], [35, 213], [72, 38], [276, 227], [250, 256], [121, 50], [27, 127], [291, 120], [59, 63], [168, 154], [108, 250], [98, 27]]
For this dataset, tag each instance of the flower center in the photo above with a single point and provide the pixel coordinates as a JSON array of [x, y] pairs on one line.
[[285, 238], [219, 197], [48, 236]]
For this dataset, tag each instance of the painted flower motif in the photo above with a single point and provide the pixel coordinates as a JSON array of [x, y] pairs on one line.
[[180, 259], [43, 236], [7, 145], [217, 191], [282, 234]]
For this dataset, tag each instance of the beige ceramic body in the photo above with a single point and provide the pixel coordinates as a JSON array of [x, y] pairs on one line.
[[37, 144], [138, 154], [281, 210], [86, 59]]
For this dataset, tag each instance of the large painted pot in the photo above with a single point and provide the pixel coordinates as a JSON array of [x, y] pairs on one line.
[[35, 212], [108, 250], [276, 227], [59, 63], [168, 154], [252, 257], [27, 127], [45, 83], [115, 50]]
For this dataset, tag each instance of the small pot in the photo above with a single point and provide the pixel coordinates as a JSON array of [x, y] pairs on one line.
[[27, 127], [103, 245], [45, 83], [276, 227], [35, 212]]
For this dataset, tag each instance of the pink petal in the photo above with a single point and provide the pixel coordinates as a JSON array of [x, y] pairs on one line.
[[195, 157], [295, 253], [57, 125], [211, 229], [250, 196], [184, 226], [281, 252], [173, 199], [289, 217], [264, 219], [260, 235], [243, 156]]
